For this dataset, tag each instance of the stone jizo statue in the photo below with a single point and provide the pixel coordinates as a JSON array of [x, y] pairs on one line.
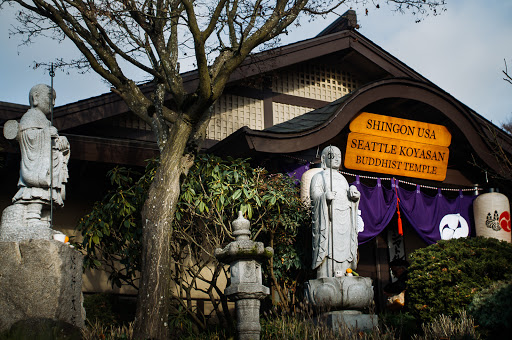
[[44, 154], [335, 227], [336, 223]]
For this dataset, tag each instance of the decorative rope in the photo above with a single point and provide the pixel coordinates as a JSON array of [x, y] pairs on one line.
[[409, 183], [302, 160]]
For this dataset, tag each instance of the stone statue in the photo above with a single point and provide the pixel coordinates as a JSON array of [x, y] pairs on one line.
[[44, 159], [40, 275], [335, 227], [336, 224]]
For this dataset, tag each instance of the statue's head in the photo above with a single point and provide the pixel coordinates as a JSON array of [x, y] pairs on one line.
[[331, 157], [39, 97]]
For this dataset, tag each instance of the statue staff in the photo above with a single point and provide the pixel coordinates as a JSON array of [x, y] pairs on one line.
[[331, 157], [52, 144]]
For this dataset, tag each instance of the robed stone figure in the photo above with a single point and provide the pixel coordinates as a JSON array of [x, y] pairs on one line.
[[335, 227], [44, 157]]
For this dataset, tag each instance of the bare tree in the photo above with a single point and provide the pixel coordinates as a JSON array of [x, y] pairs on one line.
[[508, 77], [115, 37], [507, 126]]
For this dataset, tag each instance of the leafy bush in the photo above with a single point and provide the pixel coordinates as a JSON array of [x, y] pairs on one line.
[[402, 323], [99, 308], [108, 309], [492, 307], [112, 230], [211, 196], [444, 277]]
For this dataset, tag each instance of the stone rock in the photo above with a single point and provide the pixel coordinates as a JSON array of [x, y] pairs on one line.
[[40, 279], [43, 329]]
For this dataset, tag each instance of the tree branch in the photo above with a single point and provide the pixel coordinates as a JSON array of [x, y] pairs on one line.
[[508, 77]]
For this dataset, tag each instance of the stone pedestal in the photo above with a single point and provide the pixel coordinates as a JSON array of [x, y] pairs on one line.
[[350, 318], [248, 319], [345, 292], [347, 296], [14, 227], [40, 279]]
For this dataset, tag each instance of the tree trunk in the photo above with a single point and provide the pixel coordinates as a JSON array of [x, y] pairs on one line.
[[157, 215]]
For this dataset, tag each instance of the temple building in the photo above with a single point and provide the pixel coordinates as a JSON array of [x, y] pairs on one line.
[[400, 136]]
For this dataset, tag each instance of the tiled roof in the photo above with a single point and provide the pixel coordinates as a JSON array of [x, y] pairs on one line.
[[308, 120]]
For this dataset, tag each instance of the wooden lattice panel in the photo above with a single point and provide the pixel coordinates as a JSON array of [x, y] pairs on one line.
[[284, 112], [131, 121], [315, 81], [233, 112]]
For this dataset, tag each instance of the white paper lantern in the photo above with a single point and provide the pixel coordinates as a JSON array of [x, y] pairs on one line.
[[305, 183], [492, 216]]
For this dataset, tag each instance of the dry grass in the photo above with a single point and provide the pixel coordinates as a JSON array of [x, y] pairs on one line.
[[444, 327], [96, 331]]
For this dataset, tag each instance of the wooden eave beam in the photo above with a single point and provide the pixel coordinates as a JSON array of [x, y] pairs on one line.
[[115, 151], [270, 142]]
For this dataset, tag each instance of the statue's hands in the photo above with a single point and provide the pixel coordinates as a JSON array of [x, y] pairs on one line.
[[53, 131], [330, 195], [353, 193], [61, 143]]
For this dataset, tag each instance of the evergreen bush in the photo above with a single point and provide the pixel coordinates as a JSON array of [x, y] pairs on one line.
[[492, 308], [99, 308], [444, 277]]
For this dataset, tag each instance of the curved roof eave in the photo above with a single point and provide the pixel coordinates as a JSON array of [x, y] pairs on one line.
[[471, 124]]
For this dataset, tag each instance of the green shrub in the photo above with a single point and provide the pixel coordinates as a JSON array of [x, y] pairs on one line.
[[492, 307], [99, 308], [108, 309], [403, 324], [444, 277], [213, 193]]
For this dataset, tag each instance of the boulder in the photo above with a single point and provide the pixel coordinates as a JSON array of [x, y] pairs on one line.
[[40, 279]]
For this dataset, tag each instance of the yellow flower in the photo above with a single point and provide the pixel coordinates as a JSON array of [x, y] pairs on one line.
[[349, 270]]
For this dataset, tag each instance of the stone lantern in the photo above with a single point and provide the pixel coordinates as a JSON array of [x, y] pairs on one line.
[[246, 289]]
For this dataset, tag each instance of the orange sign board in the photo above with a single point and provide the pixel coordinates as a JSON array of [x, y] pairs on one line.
[[396, 157], [403, 129]]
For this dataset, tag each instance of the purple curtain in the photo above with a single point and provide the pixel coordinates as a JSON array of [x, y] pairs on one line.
[[377, 205], [433, 218], [425, 213], [296, 171]]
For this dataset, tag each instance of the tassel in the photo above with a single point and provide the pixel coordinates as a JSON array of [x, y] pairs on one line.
[[400, 230]]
